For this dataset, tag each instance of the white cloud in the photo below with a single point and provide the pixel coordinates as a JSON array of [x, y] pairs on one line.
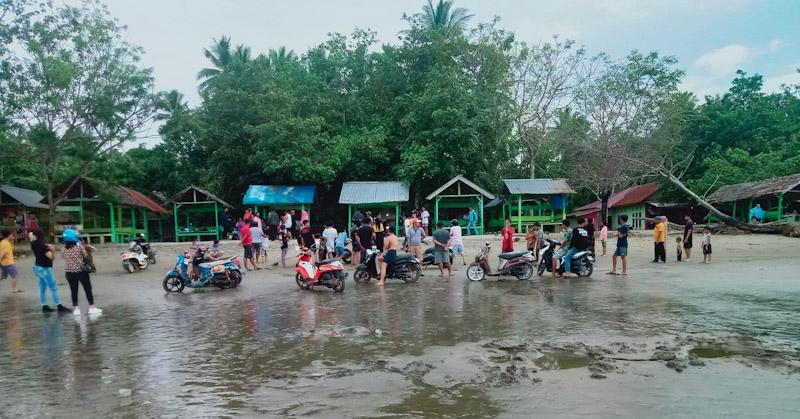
[[726, 60], [774, 83], [775, 45]]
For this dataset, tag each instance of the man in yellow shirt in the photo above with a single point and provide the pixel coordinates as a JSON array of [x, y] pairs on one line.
[[660, 239], [8, 269]]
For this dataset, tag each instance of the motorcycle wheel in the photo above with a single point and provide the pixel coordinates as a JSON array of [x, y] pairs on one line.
[[236, 279], [340, 286], [524, 272], [128, 267], [300, 282], [346, 257], [476, 273], [172, 284], [361, 276], [413, 275], [143, 265], [541, 268], [152, 259], [585, 270]]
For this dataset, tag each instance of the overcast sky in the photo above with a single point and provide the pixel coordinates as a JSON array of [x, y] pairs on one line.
[[711, 38]]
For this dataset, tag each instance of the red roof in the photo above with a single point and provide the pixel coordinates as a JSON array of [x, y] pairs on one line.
[[630, 196], [138, 199]]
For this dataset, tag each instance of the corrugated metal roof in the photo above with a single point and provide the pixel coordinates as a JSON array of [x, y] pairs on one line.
[[537, 186], [749, 190], [26, 197], [373, 192], [181, 196], [630, 196], [279, 194], [138, 199]]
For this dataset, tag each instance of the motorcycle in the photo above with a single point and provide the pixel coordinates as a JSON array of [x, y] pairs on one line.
[[146, 249], [134, 259], [518, 264], [328, 273], [222, 273], [405, 267], [582, 262], [428, 259]]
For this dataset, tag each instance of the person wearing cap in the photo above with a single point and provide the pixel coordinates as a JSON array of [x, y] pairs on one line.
[[660, 240], [415, 236]]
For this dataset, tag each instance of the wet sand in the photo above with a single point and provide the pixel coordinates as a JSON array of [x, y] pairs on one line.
[[674, 340]]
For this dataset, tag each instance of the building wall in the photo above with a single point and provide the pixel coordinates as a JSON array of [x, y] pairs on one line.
[[635, 213]]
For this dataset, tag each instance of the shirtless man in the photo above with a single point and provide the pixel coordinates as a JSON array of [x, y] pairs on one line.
[[390, 247]]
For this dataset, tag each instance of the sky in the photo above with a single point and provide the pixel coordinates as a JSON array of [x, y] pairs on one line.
[[710, 38]]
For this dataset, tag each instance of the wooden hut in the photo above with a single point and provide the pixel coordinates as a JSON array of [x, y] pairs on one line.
[[632, 202], [104, 212], [778, 197], [529, 201], [374, 196], [280, 197], [16, 207], [454, 199], [196, 214]]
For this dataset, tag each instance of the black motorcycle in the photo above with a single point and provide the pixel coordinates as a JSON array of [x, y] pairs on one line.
[[405, 267], [582, 262], [146, 249], [428, 259]]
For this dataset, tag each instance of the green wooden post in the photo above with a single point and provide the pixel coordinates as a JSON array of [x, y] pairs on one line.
[[563, 206], [216, 220], [133, 221], [175, 215], [80, 214], [749, 208], [146, 229], [519, 213], [113, 223], [436, 210], [396, 217], [780, 206], [481, 215], [349, 219]]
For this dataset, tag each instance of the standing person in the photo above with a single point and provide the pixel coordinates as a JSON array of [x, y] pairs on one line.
[[407, 224], [341, 243], [660, 240], [534, 240], [426, 218], [579, 241], [355, 258], [707, 245], [507, 233], [34, 225], [415, 236], [456, 241], [472, 221], [76, 272], [246, 239], [225, 221], [688, 234], [288, 223], [330, 235], [43, 269], [366, 237], [283, 236], [622, 246], [591, 230], [603, 236], [257, 234], [257, 219], [358, 217], [307, 237], [272, 224], [8, 266], [441, 244], [392, 245], [678, 248], [566, 237], [379, 229]]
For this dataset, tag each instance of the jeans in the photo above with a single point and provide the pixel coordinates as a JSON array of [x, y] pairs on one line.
[[73, 278], [46, 280], [568, 259], [471, 224], [660, 252]]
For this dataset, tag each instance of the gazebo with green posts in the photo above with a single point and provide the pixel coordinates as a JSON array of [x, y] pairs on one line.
[[373, 195], [778, 197], [18, 204], [454, 199], [529, 201], [103, 212], [280, 197], [196, 214]]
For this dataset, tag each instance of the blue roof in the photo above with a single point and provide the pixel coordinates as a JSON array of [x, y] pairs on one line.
[[276, 195]]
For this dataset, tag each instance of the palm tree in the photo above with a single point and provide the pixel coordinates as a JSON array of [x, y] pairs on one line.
[[220, 56], [169, 104], [443, 15], [280, 56]]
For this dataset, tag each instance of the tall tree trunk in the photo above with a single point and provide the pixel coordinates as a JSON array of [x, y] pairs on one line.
[[604, 196], [51, 211]]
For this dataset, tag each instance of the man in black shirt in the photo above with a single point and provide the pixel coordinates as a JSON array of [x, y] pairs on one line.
[[366, 237], [688, 229], [579, 242]]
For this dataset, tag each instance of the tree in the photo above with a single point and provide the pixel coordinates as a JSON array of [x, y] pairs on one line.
[[80, 92], [223, 57], [169, 104]]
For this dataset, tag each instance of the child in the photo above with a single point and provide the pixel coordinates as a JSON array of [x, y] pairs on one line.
[[283, 236], [341, 242], [678, 248], [603, 237], [215, 251], [707, 245]]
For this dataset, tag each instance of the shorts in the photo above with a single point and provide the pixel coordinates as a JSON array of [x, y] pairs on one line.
[[248, 251], [560, 253], [603, 242], [256, 248], [339, 250], [688, 243], [706, 249], [8, 271], [390, 256], [458, 249], [441, 256], [356, 247], [621, 251]]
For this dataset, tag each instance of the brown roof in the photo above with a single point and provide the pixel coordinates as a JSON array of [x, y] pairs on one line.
[[749, 190], [630, 196], [182, 196], [93, 187], [138, 199]]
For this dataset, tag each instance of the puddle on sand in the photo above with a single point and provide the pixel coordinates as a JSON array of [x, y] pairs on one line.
[[561, 360], [711, 352], [457, 401]]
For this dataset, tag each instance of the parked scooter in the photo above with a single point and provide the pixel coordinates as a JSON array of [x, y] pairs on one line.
[[326, 273], [582, 262], [518, 264], [134, 259], [146, 249], [405, 267], [428, 258], [222, 273]]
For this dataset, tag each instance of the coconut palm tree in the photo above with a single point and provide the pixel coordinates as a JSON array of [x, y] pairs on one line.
[[443, 15], [169, 104], [220, 56], [280, 56]]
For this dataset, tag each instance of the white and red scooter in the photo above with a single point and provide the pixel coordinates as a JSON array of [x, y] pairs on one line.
[[326, 273]]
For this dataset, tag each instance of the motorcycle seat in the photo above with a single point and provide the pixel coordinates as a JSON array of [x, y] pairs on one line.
[[325, 262], [402, 258], [214, 263], [510, 255]]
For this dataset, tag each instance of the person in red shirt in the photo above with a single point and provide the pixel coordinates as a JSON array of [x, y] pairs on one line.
[[247, 244], [507, 233]]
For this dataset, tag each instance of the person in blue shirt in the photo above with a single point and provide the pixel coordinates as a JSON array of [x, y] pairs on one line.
[[757, 214], [341, 241], [472, 221], [622, 246]]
